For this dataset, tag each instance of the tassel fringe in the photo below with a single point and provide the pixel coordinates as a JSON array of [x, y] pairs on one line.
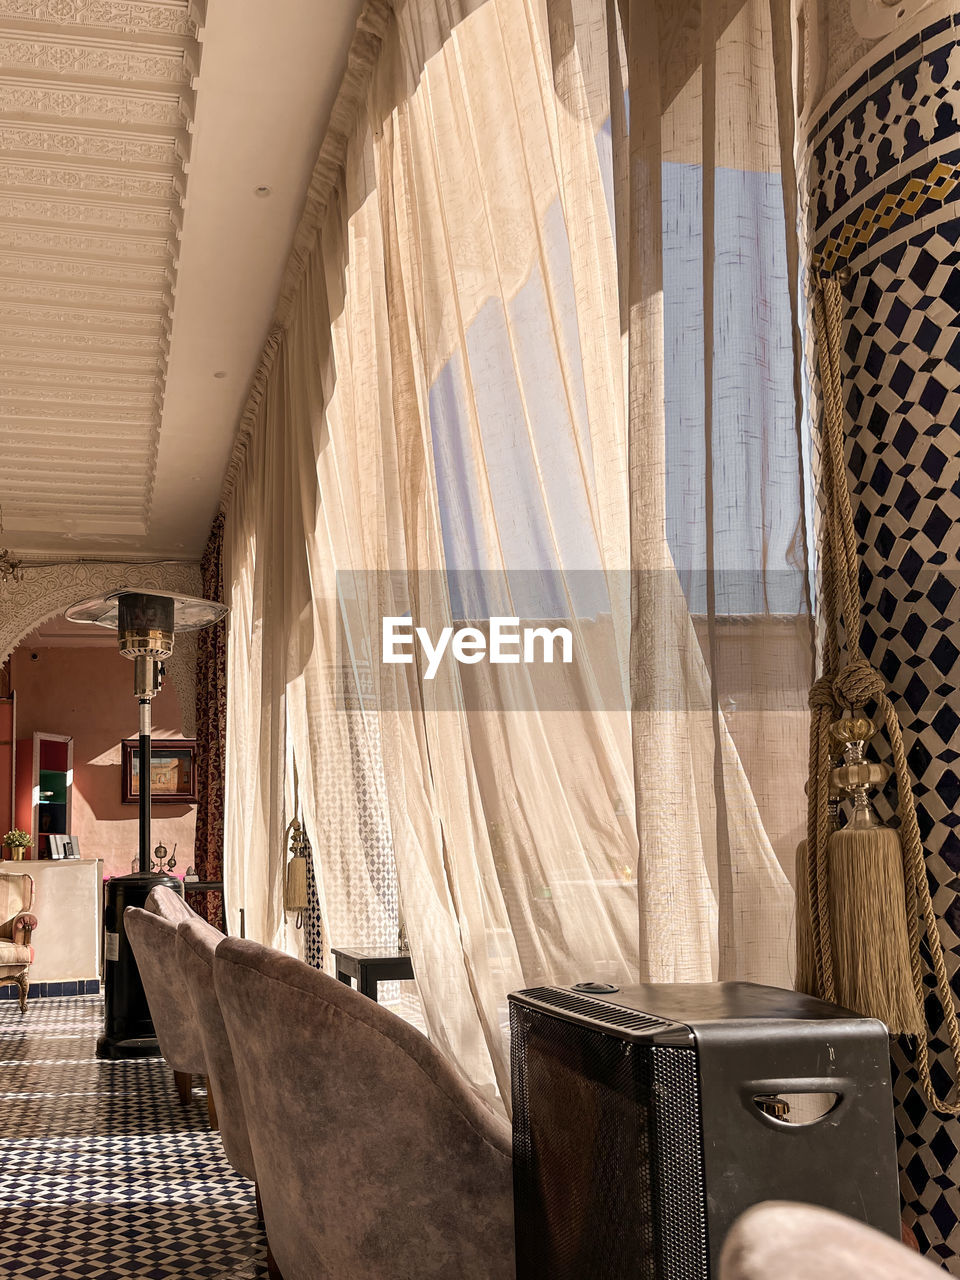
[[868, 926]]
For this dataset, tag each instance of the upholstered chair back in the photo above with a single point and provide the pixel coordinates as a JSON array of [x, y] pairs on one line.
[[154, 943], [373, 1157], [782, 1241], [16, 894], [197, 942], [162, 901]]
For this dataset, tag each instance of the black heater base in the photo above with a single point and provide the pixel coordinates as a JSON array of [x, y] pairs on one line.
[[128, 1028], [112, 1050]]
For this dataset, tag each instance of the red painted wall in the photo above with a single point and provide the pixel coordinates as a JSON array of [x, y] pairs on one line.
[[7, 748], [88, 693]]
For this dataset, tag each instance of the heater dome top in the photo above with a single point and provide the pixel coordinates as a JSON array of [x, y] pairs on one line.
[[190, 613]]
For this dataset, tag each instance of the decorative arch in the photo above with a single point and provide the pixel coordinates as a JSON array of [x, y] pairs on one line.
[[49, 590]]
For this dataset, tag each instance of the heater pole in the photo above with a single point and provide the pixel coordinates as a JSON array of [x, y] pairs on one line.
[[146, 624], [145, 727]]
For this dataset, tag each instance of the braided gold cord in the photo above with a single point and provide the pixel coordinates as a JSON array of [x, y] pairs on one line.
[[852, 685]]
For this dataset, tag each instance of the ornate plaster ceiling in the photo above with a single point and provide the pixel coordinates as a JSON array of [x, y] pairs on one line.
[[138, 266], [96, 99]]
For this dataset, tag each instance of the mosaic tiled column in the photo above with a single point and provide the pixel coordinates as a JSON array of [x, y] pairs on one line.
[[881, 175]]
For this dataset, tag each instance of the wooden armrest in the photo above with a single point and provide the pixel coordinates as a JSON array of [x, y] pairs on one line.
[[23, 927]]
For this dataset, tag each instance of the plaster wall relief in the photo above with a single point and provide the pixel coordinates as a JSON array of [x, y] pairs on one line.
[[880, 186], [47, 591], [97, 100]]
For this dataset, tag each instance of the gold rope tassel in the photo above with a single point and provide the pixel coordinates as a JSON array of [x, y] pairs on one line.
[[865, 895], [868, 923], [872, 968]]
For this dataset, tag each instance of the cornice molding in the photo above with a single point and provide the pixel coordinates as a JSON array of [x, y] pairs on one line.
[[100, 397], [157, 188], [90, 144], [61, 240], [112, 300], [73, 409], [125, 217], [107, 361], [118, 60], [78, 338], [104, 321], [131, 275], [118, 106], [170, 17], [99, 382]]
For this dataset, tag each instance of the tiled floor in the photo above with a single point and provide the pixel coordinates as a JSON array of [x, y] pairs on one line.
[[103, 1175]]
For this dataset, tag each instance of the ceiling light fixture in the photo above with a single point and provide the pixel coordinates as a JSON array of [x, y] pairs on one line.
[[10, 569]]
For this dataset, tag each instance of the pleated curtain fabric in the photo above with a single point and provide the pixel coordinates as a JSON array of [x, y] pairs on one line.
[[530, 334], [211, 716]]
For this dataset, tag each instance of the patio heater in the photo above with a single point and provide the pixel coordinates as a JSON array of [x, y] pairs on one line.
[[146, 624]]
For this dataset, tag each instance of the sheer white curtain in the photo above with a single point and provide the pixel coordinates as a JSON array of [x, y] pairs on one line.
[[721, 644], [466, 414]]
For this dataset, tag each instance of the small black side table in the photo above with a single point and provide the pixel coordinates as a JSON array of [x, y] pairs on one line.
[[370, 970]]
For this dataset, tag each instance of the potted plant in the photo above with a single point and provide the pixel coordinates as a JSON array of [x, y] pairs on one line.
[[17, 841]]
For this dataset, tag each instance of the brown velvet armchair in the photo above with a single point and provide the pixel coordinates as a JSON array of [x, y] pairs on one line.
[[166, 904], [373, 1156], [16, 953], [803, 1242], [197, 942], [154, 943]]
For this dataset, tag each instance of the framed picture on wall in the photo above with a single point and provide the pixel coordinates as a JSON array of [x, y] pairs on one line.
[[173, 771]]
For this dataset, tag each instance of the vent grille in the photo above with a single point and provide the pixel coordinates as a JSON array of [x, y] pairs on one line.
[[596, 1010], [607, 1158]]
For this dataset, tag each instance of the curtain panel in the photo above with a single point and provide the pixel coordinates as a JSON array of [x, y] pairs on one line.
[[721, 649], [211, 709], [494, 391]]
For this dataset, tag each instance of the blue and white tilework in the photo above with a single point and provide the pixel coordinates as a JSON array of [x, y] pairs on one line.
[[882, 176]]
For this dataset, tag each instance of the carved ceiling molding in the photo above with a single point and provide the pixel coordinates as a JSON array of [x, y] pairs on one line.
[[109, 361], [45, 315], [89, 180], [85, 295], [96, 104], [119, 107], [88, 144], [125, 217], [131, 275], [60, 364], [99, 382], [136, 16], [76, 338], [78, 409], [60, 240], [118, 60], [47, 592]]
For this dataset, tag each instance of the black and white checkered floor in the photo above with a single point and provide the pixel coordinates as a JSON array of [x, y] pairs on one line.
[[103, 1175]]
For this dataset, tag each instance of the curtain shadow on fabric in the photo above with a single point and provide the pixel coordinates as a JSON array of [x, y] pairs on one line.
[[463, 414], [211, 710]]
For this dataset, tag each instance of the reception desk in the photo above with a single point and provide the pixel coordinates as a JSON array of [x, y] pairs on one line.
[[68, 907]]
